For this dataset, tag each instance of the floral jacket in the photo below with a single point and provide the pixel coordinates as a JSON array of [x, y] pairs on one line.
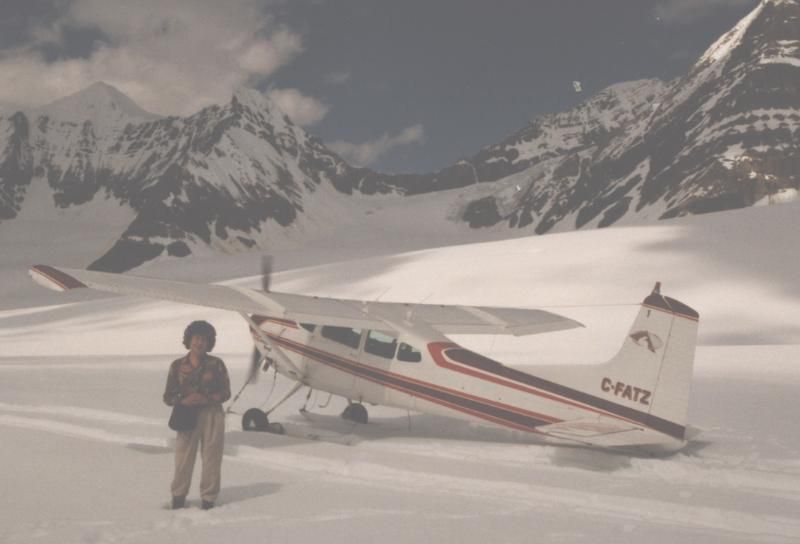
[[210, 379]]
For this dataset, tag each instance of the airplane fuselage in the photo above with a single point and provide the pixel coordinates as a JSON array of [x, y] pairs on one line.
[[437, 376]]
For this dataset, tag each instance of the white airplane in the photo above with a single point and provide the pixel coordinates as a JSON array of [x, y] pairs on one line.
[[398, 355]]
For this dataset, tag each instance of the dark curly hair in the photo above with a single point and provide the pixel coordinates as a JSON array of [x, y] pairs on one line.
[[200, 328]]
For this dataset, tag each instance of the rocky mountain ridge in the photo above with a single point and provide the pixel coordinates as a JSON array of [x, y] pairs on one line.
[[232, 177]]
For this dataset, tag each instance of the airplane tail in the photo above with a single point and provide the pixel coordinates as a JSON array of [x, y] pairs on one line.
[[653, 369]]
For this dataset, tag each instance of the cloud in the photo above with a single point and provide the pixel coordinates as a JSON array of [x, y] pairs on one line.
[[690, 11], [170, 57], [266, 56], [302, 110], [367, 153]]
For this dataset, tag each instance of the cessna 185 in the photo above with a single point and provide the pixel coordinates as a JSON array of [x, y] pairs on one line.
[[397, 354]]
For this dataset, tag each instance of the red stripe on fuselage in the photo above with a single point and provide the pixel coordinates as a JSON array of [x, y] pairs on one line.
[[310, 352], [437, 349]]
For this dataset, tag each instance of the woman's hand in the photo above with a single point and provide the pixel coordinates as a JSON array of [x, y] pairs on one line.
[[194, 399]]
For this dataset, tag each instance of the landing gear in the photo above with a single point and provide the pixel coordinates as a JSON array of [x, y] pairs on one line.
[[257, 420], [355, 412]]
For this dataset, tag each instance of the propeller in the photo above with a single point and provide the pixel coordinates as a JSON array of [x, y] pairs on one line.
[[257, 358], [255, 363], [266, 272]]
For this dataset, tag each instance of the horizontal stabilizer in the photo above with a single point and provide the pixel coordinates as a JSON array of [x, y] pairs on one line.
[[602, 432]]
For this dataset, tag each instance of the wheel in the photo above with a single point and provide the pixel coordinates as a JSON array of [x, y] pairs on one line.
[[255, 420], [355, 412]]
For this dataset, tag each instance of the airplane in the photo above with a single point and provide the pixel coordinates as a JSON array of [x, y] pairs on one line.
[[399, 354]]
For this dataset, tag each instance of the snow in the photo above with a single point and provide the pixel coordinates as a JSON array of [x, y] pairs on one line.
[[779, 59], [766, 120], [782, 196], [103, 105], [733, 155], [88, 454], [83, 233], [731, 39]]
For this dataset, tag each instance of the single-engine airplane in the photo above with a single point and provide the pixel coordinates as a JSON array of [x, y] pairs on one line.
[[398, 354]]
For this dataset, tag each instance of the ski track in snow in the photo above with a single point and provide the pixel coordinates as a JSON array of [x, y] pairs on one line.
[[364, 466]]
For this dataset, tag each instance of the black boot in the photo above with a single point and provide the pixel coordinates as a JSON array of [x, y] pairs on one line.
[[207, 505], [178, 502]]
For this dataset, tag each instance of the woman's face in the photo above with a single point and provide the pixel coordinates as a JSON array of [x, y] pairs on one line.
[[199, 344]]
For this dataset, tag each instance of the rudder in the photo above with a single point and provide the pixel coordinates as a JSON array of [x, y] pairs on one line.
[[653, 369]]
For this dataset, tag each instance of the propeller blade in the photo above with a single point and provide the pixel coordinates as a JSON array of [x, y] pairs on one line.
[[266, 272], [255, 363]]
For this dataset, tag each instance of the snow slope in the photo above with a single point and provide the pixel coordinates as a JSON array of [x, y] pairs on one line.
[[87, 456]]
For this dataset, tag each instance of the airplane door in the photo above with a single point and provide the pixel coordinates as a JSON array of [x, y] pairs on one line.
[[379, 355], [332, 360]]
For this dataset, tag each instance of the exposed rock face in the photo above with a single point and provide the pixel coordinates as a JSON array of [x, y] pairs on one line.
[[724, 136], [16, 164], [217, 175]]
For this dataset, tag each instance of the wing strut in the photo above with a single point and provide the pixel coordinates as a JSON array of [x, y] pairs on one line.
[[284, 359]]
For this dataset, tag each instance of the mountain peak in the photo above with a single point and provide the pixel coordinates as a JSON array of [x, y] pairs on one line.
[[102, 104], [247, 95], [722, 48], [257, 101]]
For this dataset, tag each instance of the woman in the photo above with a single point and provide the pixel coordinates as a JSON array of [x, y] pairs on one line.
[[201, 381]]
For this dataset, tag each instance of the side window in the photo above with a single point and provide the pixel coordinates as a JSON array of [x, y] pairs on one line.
[[381, 344], [408, 354], [344, 335], [308, 326]]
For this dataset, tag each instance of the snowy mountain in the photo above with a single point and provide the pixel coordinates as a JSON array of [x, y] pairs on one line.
[[211, 179], [724, 136], [241, 175]]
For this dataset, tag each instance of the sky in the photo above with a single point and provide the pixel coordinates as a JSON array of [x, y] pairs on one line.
[[407, 86]]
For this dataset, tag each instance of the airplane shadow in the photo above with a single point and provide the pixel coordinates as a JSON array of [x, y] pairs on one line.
[[261, 440], [590, 459], [330, 428], [694, 447]]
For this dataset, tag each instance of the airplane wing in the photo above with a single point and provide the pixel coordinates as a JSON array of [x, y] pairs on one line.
[[447, 319]]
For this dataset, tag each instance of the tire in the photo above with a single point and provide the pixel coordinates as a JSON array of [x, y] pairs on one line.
[[356, 412], [255, 420]]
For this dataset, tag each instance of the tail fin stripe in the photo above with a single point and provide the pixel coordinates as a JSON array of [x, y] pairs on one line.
[[657, 301]]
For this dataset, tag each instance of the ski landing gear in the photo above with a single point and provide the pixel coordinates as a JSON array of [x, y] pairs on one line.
[[355, 412], [257, 420]]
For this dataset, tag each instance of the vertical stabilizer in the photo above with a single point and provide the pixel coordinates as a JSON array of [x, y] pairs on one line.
[[653, 369]]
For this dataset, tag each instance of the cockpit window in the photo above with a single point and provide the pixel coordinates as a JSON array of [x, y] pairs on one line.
[[408, 354], [308, 326], [381, 344], [344, 335]]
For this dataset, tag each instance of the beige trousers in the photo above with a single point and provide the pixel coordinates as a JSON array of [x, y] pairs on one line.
[[209, 435]]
